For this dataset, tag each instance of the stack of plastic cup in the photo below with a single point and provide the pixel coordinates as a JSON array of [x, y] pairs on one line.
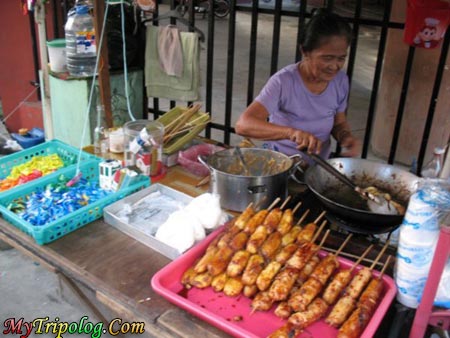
[[417, 241], [419, 233]]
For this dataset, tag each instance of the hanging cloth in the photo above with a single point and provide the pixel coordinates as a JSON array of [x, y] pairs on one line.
[[170, 52], [158, 83]]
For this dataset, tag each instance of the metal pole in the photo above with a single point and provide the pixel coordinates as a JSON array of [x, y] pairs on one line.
[[39, 11]]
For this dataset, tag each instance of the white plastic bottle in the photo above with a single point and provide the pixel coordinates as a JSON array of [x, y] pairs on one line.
[[81, 47], [433, 168]]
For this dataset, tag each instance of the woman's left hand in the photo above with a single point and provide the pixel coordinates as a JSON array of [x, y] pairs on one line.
[[351, 147]]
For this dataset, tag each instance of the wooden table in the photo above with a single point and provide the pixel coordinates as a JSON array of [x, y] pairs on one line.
[[117, 270]]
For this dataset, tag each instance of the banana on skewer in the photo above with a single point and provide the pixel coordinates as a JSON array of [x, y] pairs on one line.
[[344, 306], [300, 299], [341, 280], [354, 326]]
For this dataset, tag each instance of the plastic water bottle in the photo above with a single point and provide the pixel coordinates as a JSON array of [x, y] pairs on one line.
[[433, 168], [88, 3], [80, 43]]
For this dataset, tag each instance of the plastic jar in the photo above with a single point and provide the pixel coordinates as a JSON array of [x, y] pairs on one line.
[[143, 141], [81, 49], [57, 55], [116, 140]]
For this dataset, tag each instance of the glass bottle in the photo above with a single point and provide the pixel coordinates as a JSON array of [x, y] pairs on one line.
[[433, 168], [101, 138]]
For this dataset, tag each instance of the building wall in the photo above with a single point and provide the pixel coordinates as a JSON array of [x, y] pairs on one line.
[[17, 70]]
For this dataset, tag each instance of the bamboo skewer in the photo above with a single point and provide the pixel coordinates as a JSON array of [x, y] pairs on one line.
[[274, 203], [203, 181], [183, 118], [175, 126], [361, 257], [320, 216], [346, 254], [386, 264], [379, 255], [285, 202], [319, 231], [305, 214], [324, 238], [299, 204], [170, 136], [343, 244]]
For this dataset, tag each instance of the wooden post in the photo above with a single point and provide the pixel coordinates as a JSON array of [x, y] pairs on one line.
[[103, 68], [39, 17]]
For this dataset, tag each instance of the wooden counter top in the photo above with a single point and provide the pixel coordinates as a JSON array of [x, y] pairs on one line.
[[117, 269]]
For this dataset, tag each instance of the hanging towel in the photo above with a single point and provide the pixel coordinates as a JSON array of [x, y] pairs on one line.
[[158, 83], [170, 52]]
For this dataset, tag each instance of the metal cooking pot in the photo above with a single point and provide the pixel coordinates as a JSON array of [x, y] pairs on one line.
[[266, 180], [347, 205]]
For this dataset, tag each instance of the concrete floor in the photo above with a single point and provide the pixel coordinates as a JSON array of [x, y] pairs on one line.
[[28, 290]]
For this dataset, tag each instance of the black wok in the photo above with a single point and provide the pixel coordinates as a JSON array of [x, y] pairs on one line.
[[347, 205]]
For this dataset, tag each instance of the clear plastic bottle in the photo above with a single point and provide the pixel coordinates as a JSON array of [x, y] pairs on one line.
[[88, 3], [101, 137], [433, 168], [81, 46]]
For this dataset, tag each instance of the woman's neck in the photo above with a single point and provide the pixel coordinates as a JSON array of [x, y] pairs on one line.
[[312, 82]]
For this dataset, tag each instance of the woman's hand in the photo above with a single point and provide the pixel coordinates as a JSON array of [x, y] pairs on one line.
[[306, 141], [351, 145]]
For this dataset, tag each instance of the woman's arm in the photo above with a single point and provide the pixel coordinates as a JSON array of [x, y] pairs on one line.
[[253, 123], [343, 135]]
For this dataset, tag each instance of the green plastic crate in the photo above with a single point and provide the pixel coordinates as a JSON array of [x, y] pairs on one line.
[[73, 221], [68, 154]]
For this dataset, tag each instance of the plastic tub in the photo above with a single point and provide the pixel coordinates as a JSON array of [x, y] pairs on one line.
[[188, 158], [57, 55]]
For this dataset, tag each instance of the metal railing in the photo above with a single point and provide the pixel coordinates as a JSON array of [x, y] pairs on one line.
[[380, 20]]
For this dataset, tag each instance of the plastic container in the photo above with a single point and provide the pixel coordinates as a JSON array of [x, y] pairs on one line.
[[73, 221], [188, 158], [31, 138], [433, 168], [57, 55], [116, 140], [68, 154], [220, 310], [81, 46], [143, 142]]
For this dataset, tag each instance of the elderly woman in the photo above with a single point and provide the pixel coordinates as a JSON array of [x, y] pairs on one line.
[[304, 103]]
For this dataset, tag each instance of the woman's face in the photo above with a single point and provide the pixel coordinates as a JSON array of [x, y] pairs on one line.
[[326, 60]]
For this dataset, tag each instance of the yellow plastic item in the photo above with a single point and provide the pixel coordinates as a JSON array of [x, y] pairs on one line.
[[198, 120]]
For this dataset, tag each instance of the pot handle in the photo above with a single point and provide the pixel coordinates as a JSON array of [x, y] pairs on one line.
[[202, 160], [298, 160], [256, 189]]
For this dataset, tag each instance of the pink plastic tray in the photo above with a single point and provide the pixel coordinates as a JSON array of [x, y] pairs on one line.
[[233, 315]]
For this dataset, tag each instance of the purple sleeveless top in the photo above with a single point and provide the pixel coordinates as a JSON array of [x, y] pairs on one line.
[[290, 103]]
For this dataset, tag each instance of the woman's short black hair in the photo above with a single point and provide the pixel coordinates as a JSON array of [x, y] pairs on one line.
[[323, 24]]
